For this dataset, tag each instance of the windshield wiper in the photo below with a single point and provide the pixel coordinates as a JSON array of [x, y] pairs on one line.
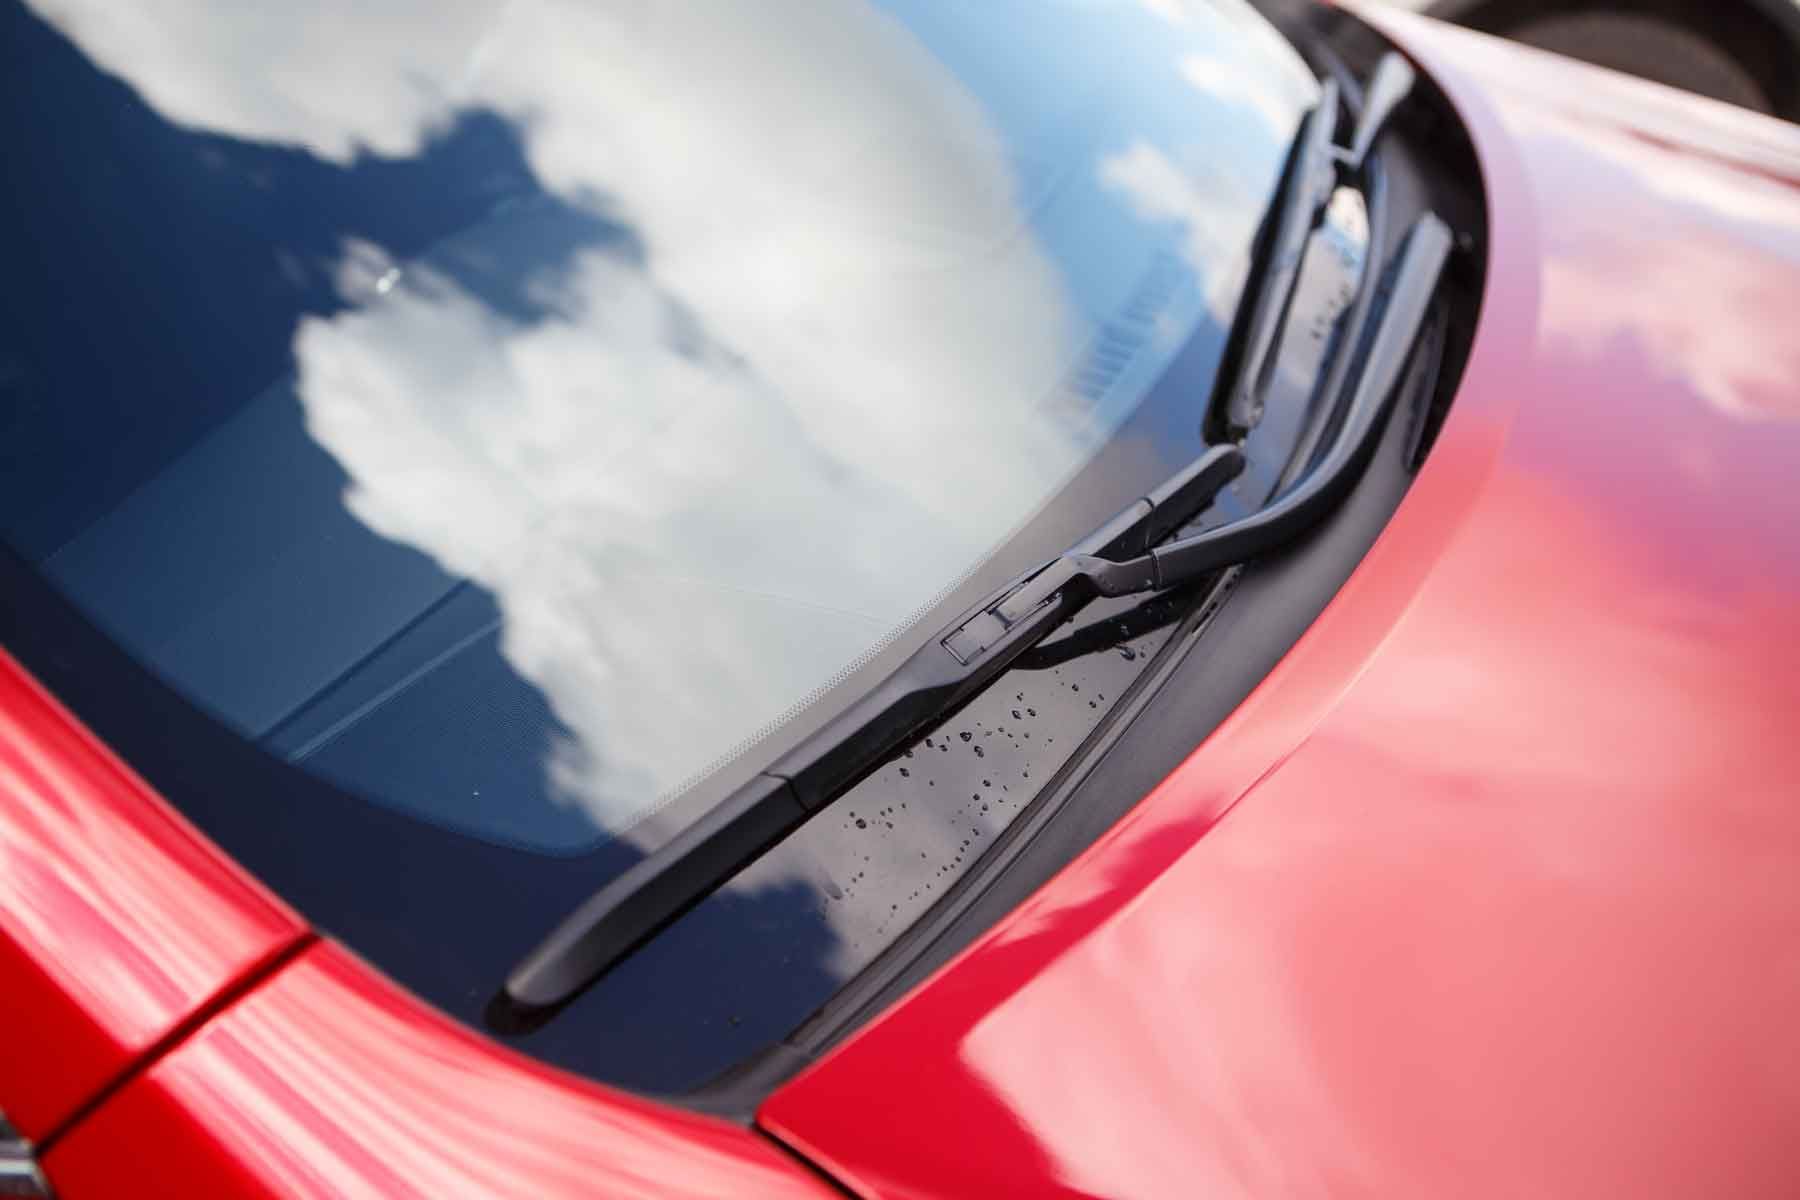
[[1128, 555], [1316, 167]]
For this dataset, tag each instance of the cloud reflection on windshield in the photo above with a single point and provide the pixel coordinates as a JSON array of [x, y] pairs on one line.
[[685, 541], [718, 471]]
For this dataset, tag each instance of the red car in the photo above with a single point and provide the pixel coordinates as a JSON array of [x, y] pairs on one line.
[[916, 599]]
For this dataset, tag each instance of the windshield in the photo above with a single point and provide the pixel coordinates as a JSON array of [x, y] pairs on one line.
[[512, 418], [551, 398]]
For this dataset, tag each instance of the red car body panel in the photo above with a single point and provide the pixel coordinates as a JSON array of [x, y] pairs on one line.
[[1493, 886], [330, 1081], [118, 923]]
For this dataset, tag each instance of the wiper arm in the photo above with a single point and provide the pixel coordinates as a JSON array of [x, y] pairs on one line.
[[1126, 556], [1317, 166], [1298, 509]]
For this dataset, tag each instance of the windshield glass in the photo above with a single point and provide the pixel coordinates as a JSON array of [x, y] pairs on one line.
[[512, 412]]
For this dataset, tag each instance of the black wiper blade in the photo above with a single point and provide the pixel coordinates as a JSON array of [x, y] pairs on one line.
[[956, 663], [1318, 166], [1305, 190]]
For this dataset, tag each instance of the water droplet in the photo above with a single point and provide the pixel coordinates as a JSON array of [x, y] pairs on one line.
[[986, 783], [1016, 715], [1031, 712], [861, 824], [1091, 704], [965, 735], [904, 773], [1074, 687], [1127, 653], [979, 753]]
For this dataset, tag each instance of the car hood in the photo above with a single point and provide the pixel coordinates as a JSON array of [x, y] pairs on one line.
[[1517, 909]]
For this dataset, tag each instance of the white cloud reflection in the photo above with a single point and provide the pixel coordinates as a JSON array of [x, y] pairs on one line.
[[686, 535], [1601, 288], [1217, 199], [1216, 209]]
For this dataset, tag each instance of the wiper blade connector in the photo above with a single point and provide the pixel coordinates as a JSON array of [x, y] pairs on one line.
[[1319, 490], [1392, 82]]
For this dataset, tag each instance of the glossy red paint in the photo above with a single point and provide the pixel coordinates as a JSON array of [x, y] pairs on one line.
[[117, 920], [329, 1081], [1493, 887]]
